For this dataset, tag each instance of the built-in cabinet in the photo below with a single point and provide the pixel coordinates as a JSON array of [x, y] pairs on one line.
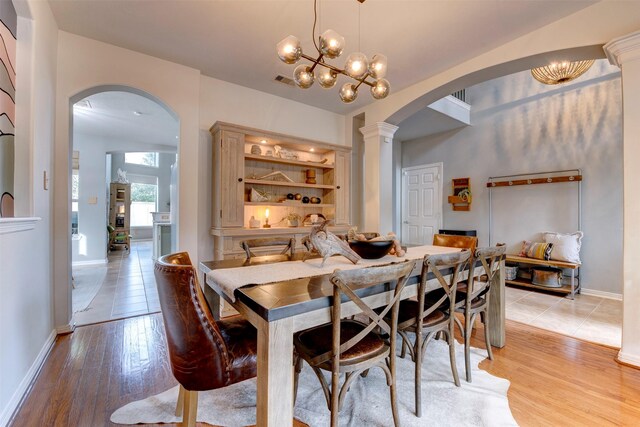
[[255, 171]]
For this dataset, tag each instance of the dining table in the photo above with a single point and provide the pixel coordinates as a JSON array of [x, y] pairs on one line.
[[282, 294]]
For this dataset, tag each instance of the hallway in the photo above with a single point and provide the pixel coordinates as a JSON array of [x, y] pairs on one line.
[[129, 287]]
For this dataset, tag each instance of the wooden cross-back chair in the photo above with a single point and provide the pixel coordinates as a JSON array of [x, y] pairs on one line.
[[477, 301], [288, 243], [351, 347], [426, 319]]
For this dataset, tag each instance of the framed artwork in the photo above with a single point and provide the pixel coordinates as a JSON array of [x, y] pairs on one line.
[[8, 29]]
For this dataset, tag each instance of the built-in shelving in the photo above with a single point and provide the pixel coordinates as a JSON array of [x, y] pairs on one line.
[[290, 205], [289, 184], [288, 161], [246, 159]]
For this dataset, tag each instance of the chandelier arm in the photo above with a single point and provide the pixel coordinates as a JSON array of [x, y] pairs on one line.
[[318, 61], [363, 80]]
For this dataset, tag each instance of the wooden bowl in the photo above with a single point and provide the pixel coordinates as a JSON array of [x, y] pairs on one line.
[[371, 250]]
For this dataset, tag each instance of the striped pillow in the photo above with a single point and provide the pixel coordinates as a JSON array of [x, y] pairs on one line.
[[536, 250]]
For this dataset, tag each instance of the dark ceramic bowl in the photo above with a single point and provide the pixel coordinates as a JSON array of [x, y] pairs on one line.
[[371, 250]]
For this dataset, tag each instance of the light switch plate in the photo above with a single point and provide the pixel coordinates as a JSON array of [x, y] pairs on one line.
[[92, 200]]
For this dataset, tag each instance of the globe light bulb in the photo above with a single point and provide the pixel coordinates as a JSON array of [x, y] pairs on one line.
[[289, 50], [381, 89], [348, 93], [356, 65], [378, 66], [327, 78], [331, 44], [303, 76]]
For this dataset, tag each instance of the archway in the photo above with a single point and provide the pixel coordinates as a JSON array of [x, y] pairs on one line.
[[542, 101], [107, 143], [421, 101]]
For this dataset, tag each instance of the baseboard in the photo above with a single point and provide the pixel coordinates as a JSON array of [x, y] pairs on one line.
[[628, 359], [8, 412], [89, 262], [602, 294], [66, 329]]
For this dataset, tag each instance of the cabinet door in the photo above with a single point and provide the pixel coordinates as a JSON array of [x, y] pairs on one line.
[[232, 179], [342, 181]]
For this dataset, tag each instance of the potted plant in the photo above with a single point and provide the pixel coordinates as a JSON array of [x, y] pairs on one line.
[[293, 219]]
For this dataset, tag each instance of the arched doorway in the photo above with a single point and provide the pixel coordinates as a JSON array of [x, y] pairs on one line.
[[523, 126], [109, 124]]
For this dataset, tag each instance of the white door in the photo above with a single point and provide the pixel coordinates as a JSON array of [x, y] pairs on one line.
[[421, 203]]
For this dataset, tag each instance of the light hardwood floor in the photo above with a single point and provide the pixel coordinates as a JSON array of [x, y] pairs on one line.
[[555, 380]]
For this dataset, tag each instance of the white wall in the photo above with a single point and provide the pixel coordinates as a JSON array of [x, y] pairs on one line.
[[84, 64], [26, 316], [522, 126]]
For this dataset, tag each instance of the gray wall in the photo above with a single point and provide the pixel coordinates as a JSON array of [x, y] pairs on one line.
[[522, 126]]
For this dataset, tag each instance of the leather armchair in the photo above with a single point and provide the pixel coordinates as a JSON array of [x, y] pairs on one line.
[[205, 354]]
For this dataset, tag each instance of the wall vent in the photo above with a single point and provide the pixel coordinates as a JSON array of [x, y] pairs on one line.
[[83, 103], [284, 80]]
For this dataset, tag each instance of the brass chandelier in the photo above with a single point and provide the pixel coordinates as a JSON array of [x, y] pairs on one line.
[[330, 45], [561, 72]]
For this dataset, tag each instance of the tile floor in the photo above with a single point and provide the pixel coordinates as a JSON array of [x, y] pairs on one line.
[[129, 288], [587, 317]]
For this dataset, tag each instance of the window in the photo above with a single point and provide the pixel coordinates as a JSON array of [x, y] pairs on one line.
[[144, 159], [144, 199], [75, 192]]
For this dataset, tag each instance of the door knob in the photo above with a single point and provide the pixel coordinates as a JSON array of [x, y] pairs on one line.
[[405, 222]]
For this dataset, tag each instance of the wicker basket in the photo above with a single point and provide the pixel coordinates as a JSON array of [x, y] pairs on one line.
[[510, 272]]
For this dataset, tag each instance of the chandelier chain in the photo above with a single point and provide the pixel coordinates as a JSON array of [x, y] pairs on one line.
[[359, 31], [315, 20]]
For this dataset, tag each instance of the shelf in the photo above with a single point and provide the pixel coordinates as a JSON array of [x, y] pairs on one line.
[[564, 289], [530, 181], [459, 204], [288, 162], [288, 184], [534, 261], [290, 205]]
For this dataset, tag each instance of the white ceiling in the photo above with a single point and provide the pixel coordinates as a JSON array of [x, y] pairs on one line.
[[235, 40], [111, 116]]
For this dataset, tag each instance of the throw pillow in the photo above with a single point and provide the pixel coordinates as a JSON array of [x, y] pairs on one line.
[[566, 247], [536, 250]]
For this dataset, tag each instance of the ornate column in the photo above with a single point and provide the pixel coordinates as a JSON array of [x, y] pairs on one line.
[[625, 53], [378, 177]]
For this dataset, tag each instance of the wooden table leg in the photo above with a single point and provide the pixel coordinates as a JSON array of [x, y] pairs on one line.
[[213, 299], [496, 310], [275, 373]]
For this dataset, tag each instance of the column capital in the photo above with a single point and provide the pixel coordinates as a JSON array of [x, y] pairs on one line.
[[623, 49], [383, 129]]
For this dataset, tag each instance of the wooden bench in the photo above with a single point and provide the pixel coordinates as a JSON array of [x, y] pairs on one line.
[[570, 289]]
